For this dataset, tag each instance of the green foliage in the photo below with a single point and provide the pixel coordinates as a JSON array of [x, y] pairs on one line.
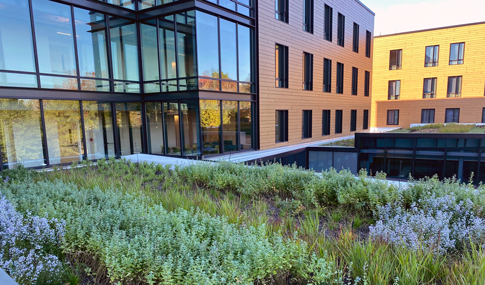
[[442, 128], [349, 143]]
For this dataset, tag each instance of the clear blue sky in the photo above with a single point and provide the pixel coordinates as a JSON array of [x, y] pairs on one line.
[[394, 16]]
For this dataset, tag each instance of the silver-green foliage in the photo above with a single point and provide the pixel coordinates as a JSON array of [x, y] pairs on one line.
[[140, 241]]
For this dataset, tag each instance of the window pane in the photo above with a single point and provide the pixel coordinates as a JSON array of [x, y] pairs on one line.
[[124, 49], [187, 54], [228, 50], [91, 43], [245, 59], [53, 33], [210, 122], [126, 87], [16, 50], [63, 130], [18, 80], [190, 121], [128, 116], [229, 124], [123, 3], [20, 133], [95, 85], [172, 126], [98, 124], [155, 128], [55, 82], [149, 52], [245, 114], [207, 45], [152, 87], [168, 65], [228, 4]]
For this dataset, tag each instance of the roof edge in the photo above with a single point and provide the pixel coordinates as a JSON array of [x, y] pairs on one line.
[[365, 7], [431, 29]]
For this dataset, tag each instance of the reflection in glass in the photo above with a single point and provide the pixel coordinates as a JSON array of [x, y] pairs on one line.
[[244, 88], [127, 87], [152, 87], [91, 43], [168, 65], [228, 4], [53, 33], [245, 114], [207, 45], [155, 128], [128, 116], [188, 84], [209, 84], [210, 123], [63, 131], [169, 86], [172, 127], [20, 133], [149, 52], [228, 51], [229, 86], [94, 85], [16, 50], [56, 82], [187, 53], [18, 80], [123, 3], [243, 10], [190, 120], [244, 44], [144, 4], [99, 130], [230, 125], [124, 49]]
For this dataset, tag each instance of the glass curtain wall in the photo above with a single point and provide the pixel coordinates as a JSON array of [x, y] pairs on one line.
[[189, 111], [130, 129], [168, 54], [246, 125], [210, 123], [230, 126], [155, 128], [243, 7], [171, 117], [98, 125]]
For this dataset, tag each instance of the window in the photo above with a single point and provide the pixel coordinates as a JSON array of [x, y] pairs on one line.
[[429, 88], [308, 16], [307, 124], [483, 116], [366, 120], [393, 117], [454, 86], [355, 46], [341, 30], [452, 115], [307, 71], [394, 90], [367, 84], [368, 43], [281, 123], [457, 53], [327, 75], [340, 78], [338, 121], [281, 66], [353, 120], [395, 59], [326, 122], [328, 23], [427, 116], [355, 80], [282, 10], [432, 53]]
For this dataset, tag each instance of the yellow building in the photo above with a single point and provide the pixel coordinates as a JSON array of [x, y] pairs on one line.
[[429, 76]]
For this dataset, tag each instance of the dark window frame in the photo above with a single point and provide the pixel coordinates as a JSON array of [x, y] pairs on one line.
[[339, 114], [328, 23], [282, 80], [327, 75], [456, 115], [435, 60], [356, 38], [353, 120], [341, 30], [307, 82], [283, 15], [396, 90], [428, 116], [459, 60], [367, 84], [308, 16], [366, 120], [340, 78], [326, 122], [397, 64], [307, 124], [483, 115], [434, 85], [458, 84], [395, 117], [283, 125], [368, 43], [355, 81]]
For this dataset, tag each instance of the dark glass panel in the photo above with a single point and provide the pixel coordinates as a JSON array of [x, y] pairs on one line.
[[428, 166], [18, 80], [127, 87], [91, 43], [207, 45], [186, 44], [169, 86], [190, 121], [124, 49], [228, 51], [98, 124], [172, 128], [20, 133], [155, 128], [53, 33], [128, 116], [63, 131], [399, 165], [149, 52], [16, 49], [246, 120], [210, 122], [55, 82], [230, 125], [168, 65]]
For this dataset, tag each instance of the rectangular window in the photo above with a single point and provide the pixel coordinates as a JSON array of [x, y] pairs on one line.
[[307, 124], [281, 66], [338, 121], [327, 75], [308, 16], [328, 23], [307, 71], [483, 116], [326, 122], [355, 46], [341, 30], [432, 53], [366, 120], [353, 120], [355, 80], [395, 59], [282, 10], [394, 90], [393, 117], [281, 124], [457, 52], [452, 115], [454, 86], [367, 84], [427, 116], [429, 88], [340, 78], [368, 43]]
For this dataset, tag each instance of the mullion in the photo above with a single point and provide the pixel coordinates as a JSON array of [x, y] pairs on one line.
[[76, 56], [34, 43]]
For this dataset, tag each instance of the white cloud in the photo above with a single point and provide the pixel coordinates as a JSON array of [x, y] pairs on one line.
[[408, 17]]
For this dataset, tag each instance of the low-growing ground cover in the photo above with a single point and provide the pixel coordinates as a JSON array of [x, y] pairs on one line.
[[349, 143], [233, 224], [442, 128]]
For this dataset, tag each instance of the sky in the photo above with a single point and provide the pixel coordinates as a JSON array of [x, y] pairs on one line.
[[395, 16]]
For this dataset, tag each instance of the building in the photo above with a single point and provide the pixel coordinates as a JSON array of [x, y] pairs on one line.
[[429, 76], [86, 79]]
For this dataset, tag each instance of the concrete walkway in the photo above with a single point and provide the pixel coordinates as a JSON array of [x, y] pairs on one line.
[[5, 279], [163, 160]]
